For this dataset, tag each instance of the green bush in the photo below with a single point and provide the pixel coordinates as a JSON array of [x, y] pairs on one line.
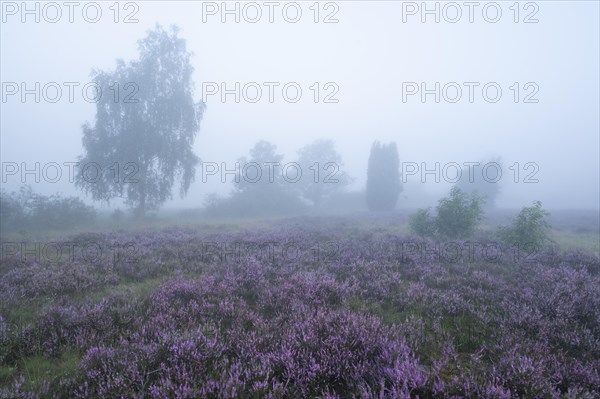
[[11, 213], [28, 210], [422, 223], [529, 227], [457, 216], [57, 212], [15, 209]]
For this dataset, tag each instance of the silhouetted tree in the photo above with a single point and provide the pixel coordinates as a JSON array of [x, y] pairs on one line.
[[262, 171], [260, 188], [146, 123], [383, 177], [320, 165]]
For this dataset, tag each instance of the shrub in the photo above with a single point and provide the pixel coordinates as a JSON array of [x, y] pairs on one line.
[[422, 223], [26, 209], [10, 212], [457, 216], [14, 207], [263, 201], [529, 227], [60, 212]]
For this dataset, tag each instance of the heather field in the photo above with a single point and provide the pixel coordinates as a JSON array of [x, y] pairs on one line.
[[310, 307]]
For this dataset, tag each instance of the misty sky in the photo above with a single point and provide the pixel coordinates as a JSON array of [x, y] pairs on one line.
[[368, 54]]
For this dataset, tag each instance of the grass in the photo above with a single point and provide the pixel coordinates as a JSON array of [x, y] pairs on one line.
[[134, 288], [26, 313], [38, 369], [587, 241]]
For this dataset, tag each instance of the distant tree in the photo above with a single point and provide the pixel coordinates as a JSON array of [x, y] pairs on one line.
[[259, 188], [321, 177], [474, 181], [383, 177], [262, 171], [146, 123]]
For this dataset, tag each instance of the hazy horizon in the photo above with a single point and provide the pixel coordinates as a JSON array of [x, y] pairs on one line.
[[368, 55]]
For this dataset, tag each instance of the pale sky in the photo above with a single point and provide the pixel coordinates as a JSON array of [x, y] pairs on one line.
[[366, 56]]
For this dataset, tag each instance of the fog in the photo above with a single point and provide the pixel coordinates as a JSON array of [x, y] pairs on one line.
[[311, 199], [370, 57]]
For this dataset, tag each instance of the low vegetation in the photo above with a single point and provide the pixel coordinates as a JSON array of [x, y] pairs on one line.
[[298, 308]]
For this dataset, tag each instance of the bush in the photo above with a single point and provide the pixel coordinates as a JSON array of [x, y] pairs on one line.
[[26, 209], [422, 223], [11, 211], [457, 216], [56, 212], [529, 227], [263, 201]]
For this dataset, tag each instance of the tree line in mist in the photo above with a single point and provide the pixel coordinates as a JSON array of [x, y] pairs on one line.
[[150, 137]]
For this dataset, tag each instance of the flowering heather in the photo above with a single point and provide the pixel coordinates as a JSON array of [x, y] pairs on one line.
[[322, 310]]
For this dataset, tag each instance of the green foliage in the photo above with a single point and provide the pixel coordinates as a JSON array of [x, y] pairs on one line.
[[27, 209], [457, 216], [142, 142], [529, 227], [422, 223], [58, 212], [13, 208], [383, 177]]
